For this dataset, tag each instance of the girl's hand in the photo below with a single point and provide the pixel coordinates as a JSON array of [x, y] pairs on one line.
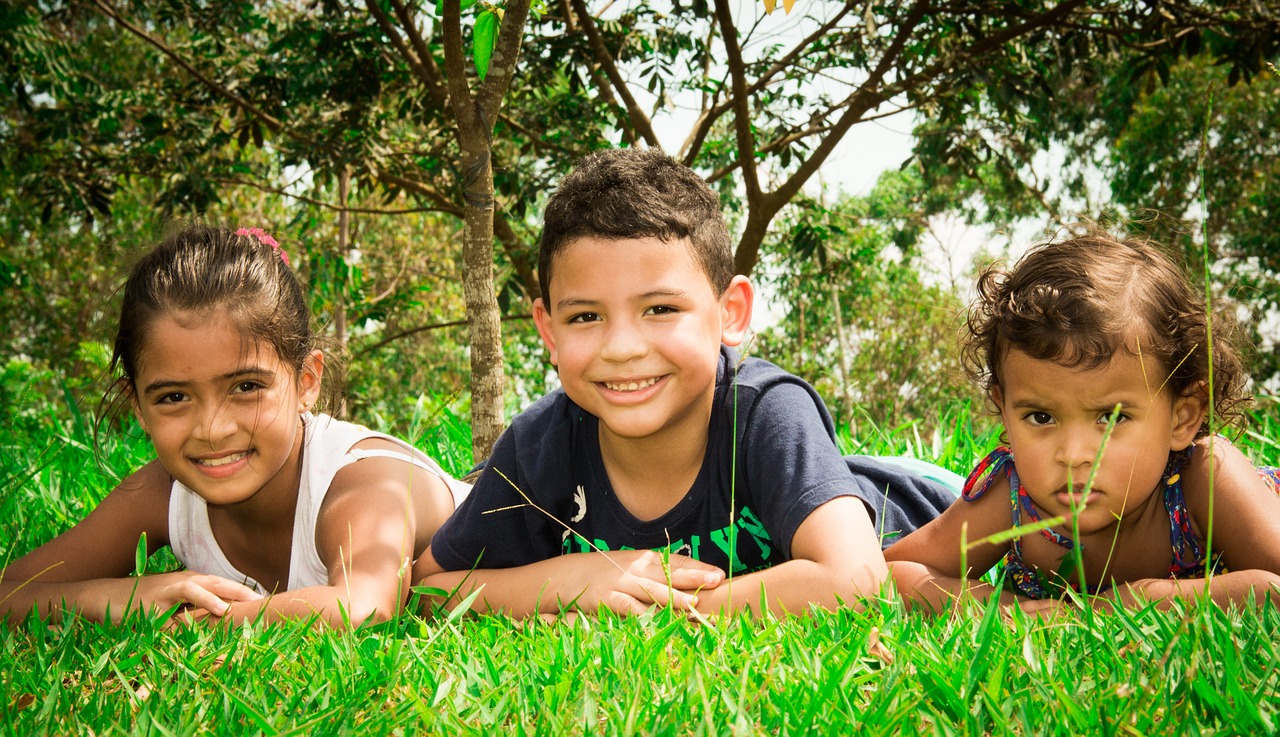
[[163, 591]]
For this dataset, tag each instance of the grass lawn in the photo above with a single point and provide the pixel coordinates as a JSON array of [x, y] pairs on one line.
[[882, 671]]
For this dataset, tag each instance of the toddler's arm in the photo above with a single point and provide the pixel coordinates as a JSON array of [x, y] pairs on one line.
[[926, 563], [1246, 529]]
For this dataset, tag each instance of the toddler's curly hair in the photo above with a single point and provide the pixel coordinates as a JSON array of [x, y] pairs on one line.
[[1078, 301]]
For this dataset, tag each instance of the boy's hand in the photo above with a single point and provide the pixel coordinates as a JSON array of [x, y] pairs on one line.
[[630, 581]]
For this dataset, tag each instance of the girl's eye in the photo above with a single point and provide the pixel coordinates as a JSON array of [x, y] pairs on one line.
[[245, 387], [170, 398], [1040, 418], [661, 310], [584, 317]]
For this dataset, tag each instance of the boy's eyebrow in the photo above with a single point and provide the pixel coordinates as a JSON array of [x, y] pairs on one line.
[[248, 371], [652, 294]]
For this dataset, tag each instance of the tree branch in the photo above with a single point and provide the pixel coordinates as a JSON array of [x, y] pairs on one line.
[[506, 56], [639, 121], [213, 86], [428, 75], [364, 351]]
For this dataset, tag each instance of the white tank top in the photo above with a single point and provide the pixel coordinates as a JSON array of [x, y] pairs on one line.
[[327, 448]]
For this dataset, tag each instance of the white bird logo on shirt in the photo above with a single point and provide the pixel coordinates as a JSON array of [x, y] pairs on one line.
[[579, 500]]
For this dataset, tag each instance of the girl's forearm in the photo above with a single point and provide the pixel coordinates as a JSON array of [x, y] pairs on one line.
[[97, 599], [1237, 588], [924, 588]]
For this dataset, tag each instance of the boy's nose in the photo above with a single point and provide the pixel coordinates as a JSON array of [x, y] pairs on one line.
[[623, 342]]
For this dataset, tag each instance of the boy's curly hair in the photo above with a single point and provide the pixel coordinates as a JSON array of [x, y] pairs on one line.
[[619, 194], [1077, 302]]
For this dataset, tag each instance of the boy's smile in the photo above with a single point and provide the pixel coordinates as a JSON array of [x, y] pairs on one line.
[[634, 328]]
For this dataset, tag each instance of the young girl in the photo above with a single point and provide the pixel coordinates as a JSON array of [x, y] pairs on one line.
[[1096, 353], [272, 509]]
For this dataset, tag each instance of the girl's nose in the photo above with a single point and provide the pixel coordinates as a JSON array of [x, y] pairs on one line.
[[214, 425], [1077, 448]]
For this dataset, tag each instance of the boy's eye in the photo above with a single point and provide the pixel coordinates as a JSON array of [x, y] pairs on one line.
[[661, 310], [1039, 418], [1106, 418], [584, 317]]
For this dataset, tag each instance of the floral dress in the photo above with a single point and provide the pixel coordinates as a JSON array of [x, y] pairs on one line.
[[1189, 557]]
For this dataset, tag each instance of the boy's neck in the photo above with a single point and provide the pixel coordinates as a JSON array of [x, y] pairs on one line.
[[651, 475]]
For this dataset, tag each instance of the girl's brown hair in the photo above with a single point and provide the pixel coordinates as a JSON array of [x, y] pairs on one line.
[[198, 270], [1077, 302]]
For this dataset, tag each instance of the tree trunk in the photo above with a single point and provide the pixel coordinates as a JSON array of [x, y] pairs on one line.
[[483, 316], [474, 114]]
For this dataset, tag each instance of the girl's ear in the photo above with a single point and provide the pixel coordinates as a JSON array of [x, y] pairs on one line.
[[309, 380], [735, 309], [542, 319], [997, 398], [1188, 416], [136, 408]]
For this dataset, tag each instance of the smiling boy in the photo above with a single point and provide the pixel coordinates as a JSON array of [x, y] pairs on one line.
[[662, 437]]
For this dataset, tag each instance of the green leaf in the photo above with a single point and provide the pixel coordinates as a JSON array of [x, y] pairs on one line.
[[140, 556], [486, 33]]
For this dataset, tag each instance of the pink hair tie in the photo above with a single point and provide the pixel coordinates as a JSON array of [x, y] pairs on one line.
[[261, 236]]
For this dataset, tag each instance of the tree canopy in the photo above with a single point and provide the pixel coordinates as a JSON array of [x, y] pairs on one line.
[[467, 111]]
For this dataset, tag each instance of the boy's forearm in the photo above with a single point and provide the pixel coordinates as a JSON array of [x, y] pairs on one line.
[[517, 592], [792, 587]]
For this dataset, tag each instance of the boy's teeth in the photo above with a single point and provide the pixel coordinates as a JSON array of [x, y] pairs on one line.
[[220, 461], [631, 386]]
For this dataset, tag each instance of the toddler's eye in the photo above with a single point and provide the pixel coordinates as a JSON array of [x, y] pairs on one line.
[[1040, 418], [584, 317], [1106, 418]]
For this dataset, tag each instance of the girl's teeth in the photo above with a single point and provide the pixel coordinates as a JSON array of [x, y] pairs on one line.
[[632, 385], [214, 462]]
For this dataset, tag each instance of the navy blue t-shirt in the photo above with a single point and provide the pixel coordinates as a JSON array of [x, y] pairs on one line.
[[545, 492]]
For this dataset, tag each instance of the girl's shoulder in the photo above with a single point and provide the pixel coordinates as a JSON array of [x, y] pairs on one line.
[[998, 464]]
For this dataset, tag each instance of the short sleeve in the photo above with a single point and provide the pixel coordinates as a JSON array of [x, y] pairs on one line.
[[792, 464], [512, 515]]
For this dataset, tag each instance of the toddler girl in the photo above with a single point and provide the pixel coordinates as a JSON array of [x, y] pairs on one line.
[[1096, 353], [273, 510]]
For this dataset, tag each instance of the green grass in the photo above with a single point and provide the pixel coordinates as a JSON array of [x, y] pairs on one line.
[[882, 671]]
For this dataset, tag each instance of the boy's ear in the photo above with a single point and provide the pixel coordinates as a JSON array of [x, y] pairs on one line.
[[542, 319], [735, 309], [1188, 415], [309, 380]]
